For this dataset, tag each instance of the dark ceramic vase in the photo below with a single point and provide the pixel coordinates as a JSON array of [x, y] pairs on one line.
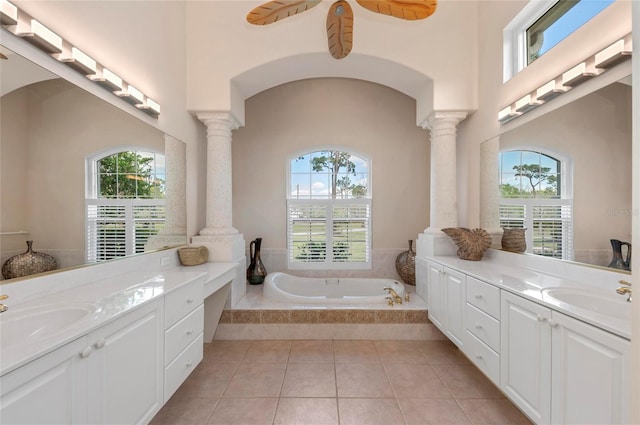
[[617, 262], [256, 272], [28, 263]]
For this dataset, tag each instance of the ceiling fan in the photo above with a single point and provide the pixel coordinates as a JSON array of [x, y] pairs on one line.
[[340, 16]]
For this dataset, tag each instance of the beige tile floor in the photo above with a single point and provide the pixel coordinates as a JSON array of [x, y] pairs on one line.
[[336, 382]]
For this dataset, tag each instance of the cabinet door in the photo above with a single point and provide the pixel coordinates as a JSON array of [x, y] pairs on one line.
[[591, 374], [525, 350], [422, 277], [49, 390], [435, 296], [126, 368], [453, 286]]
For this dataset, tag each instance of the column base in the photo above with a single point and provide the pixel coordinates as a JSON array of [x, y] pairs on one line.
[[229, 249], [431, 243]]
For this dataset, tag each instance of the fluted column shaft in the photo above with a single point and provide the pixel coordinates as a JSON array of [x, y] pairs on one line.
[[219, 219], [444, 194]]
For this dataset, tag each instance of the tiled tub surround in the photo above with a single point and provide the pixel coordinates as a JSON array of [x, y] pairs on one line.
[[257, 317]]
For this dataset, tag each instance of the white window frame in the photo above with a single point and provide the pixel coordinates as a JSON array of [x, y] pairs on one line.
[[565, 200], [329, 203], [92, 199]]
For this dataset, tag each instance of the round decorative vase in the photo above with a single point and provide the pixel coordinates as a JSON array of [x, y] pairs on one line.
[[406, 265], [256, 272], [513, 240], [28, 263]]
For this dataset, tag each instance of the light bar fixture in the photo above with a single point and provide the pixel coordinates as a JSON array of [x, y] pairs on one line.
[[526, 103], [612, 55], [576, 75], [8, 13], [64, 52], [132, 95], [109, 80], [80, 62], [43, 38]]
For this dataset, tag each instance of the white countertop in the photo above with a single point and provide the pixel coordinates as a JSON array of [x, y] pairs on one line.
[[107, 298], [531, 284]]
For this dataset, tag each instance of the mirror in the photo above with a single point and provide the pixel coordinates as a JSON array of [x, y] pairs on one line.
[[592, 134], [50, 129]]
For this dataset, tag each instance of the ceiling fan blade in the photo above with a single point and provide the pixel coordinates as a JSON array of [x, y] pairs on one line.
[[277, 10], [410, 10], [340, 29]]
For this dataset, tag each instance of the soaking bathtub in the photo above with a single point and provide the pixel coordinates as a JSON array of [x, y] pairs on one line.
[[284, 287]]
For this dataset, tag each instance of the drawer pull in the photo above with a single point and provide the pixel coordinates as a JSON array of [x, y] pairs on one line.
[[189, 364], [478, 356], [478, 326], [189, 300], [553, 324], [478, 296], [541, 319], [100, 343], [190, 332], [85, 353]]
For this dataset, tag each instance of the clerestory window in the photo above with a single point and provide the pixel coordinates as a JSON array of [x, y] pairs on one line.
[[329, 211], [535, 194], [125, 202]]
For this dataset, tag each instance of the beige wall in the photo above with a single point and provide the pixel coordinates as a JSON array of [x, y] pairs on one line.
[[47, 130], [351, 114], [595, 133]]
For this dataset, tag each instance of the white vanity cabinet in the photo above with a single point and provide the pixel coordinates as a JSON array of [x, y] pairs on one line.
[[112, 375], [49, 390], [446, 299], [560, 370], [126, 367], [525, 368], [590, 375], [183, 335]]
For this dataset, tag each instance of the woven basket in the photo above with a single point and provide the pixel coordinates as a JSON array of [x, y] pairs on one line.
[[193, 255]]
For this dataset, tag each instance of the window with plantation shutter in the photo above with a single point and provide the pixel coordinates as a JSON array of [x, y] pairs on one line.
[[329, 211], [534, 192], [125, 203]]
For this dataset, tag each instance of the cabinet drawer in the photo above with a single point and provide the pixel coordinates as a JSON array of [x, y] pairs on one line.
[[180, 302], [178, 336], [179, 369], [487, 360], [484, 296], [483, 326]]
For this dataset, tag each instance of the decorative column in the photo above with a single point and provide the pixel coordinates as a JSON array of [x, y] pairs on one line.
[[489, 190], [224, 242], [175, 224], [444, 191]]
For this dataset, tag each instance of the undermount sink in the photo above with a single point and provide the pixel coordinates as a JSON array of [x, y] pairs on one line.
[[601, 302], [39, 322]]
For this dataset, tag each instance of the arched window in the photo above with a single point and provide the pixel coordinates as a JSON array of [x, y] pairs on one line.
[[329, 205], [124, 201], [535, 192]]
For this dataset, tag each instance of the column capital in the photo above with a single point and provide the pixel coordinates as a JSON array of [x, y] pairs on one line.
[[451, 118], [223, 120]]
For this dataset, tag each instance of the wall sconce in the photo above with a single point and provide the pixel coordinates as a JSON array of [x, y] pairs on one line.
[[49, 42], [550, 90], [8, 13], [507, 114], [576, 75], [43, 38], [132, 95], [108, 80], [525, 104], [80, 62], [612, 55]]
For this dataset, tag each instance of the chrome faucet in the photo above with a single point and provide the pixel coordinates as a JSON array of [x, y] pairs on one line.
[[3, 307], [625, 290], [397, 298]]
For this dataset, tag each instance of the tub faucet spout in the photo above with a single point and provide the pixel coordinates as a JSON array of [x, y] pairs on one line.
[[397, 298]]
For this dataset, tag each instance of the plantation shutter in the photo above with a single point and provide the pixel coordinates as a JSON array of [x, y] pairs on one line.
[[351, 233], [148, 220], [512, 216], [552, 230], [307, 232]]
